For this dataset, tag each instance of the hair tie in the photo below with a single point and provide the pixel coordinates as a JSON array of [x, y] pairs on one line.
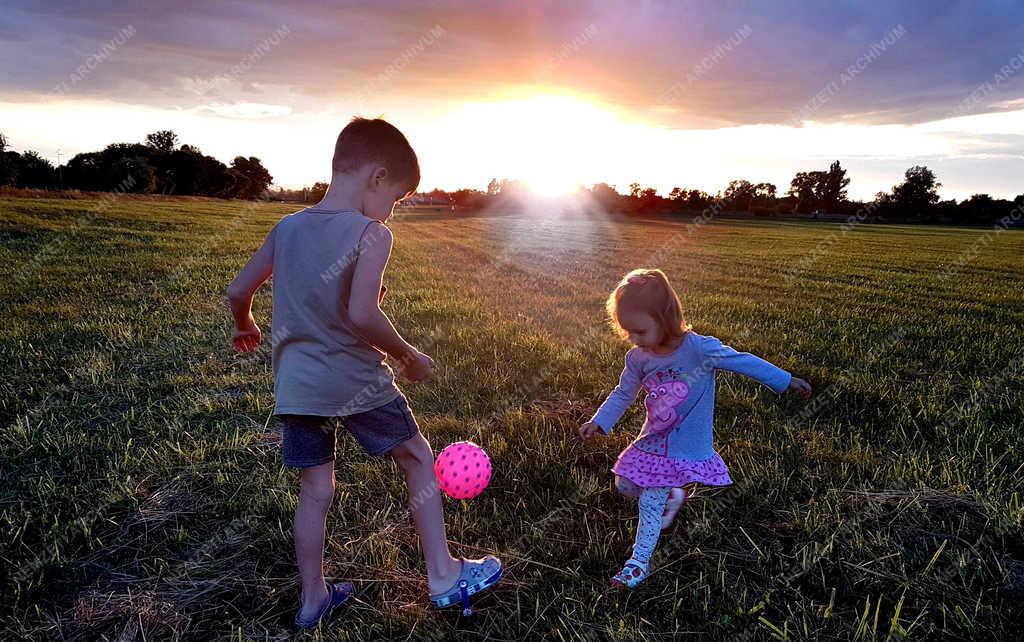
[[638, 279]]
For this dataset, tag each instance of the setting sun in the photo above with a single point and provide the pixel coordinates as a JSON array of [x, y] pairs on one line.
[[551, 143], [555, 185]]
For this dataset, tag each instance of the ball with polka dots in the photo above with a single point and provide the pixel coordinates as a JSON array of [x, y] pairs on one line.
[[463, 470]]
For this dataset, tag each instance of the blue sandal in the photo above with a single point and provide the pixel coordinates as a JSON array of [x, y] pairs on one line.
[[337, 594], [476, 576]]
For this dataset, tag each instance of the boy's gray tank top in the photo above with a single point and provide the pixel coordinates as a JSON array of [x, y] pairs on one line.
[[321, 365]]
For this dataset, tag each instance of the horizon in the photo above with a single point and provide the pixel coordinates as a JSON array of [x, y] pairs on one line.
[[554, 97]]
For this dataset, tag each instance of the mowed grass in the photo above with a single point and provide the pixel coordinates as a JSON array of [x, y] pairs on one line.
[[143, 495]]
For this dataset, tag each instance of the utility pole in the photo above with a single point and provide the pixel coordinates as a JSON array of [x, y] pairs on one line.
[[60, 171]]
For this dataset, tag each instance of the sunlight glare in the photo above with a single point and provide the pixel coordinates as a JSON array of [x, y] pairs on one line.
[[551, 143]]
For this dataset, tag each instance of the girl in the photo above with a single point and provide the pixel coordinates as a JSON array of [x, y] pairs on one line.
[[676, 368]]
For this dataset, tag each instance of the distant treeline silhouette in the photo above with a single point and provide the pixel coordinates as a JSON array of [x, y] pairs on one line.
[[158, 166], [816, 194], [161, 166]]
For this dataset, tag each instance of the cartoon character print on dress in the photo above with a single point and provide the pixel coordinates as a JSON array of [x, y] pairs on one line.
[[665, 393]]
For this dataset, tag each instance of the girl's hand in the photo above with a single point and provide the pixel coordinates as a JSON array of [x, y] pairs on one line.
[[247, 337], [588, 430], [800, 387]]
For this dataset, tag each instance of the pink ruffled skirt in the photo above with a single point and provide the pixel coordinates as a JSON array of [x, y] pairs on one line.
[[649, 470]]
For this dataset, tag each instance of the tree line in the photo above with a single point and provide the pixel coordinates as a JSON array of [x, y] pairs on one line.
[[157, 166], [161, 166], [819, 193]]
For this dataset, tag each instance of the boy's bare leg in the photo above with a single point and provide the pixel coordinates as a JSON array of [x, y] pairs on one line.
[[416, 460], [310, 527]]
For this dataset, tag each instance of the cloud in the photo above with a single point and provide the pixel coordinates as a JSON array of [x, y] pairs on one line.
[[794, 50], [246, 110]]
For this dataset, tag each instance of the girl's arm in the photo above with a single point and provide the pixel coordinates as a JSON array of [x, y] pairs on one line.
[[719, 356], [247, 334], [620, 399]]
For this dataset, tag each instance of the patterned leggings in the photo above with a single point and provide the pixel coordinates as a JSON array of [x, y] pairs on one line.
[[652, 505]]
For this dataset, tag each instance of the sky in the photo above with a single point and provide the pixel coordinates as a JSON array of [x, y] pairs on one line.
[[689, 94]]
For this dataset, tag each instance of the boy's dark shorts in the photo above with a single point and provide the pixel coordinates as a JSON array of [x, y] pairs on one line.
[[311, 440]]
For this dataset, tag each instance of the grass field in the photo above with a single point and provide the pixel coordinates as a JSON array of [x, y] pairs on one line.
[[143, 496]]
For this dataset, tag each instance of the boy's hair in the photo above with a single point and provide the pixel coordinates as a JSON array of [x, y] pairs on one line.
[[648, 290], [375, 140]]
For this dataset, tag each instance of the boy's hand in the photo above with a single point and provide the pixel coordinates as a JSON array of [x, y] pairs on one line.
[[588, 430], [800, 387], [419, 368], [247, 337]]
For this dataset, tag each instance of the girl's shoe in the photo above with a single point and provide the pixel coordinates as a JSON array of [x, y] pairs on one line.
[[631, 574], [337, 594], [476, 576], [676, 498]]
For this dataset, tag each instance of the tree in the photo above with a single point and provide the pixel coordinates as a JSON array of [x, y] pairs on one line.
[[805, 189], [493, 187], [642, 199], [765, 191], [695, 199], [690, 199], [8, 165], [160, 147], [34, 171], [183, 169], [84, 172], [918, 191], [163, 141], [819, 190], [739, 195], [213, 178], [250, 178], [189, 171], [317, 191], [468, 198], [949, 212], [132, 174], [979, 208], [507, 188], [764, 200], [831, 189]]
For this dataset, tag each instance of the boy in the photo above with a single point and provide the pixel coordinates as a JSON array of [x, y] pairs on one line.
[[328, 263]]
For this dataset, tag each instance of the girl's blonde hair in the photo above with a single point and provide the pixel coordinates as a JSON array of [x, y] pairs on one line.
[[648, 290]]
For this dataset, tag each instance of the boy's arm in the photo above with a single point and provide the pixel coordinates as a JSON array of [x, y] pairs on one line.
[[620, 399], [240, 292], [364, 298], [721, 357]]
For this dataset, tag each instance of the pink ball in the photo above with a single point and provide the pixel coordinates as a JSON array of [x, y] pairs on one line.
[[463, 470]]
